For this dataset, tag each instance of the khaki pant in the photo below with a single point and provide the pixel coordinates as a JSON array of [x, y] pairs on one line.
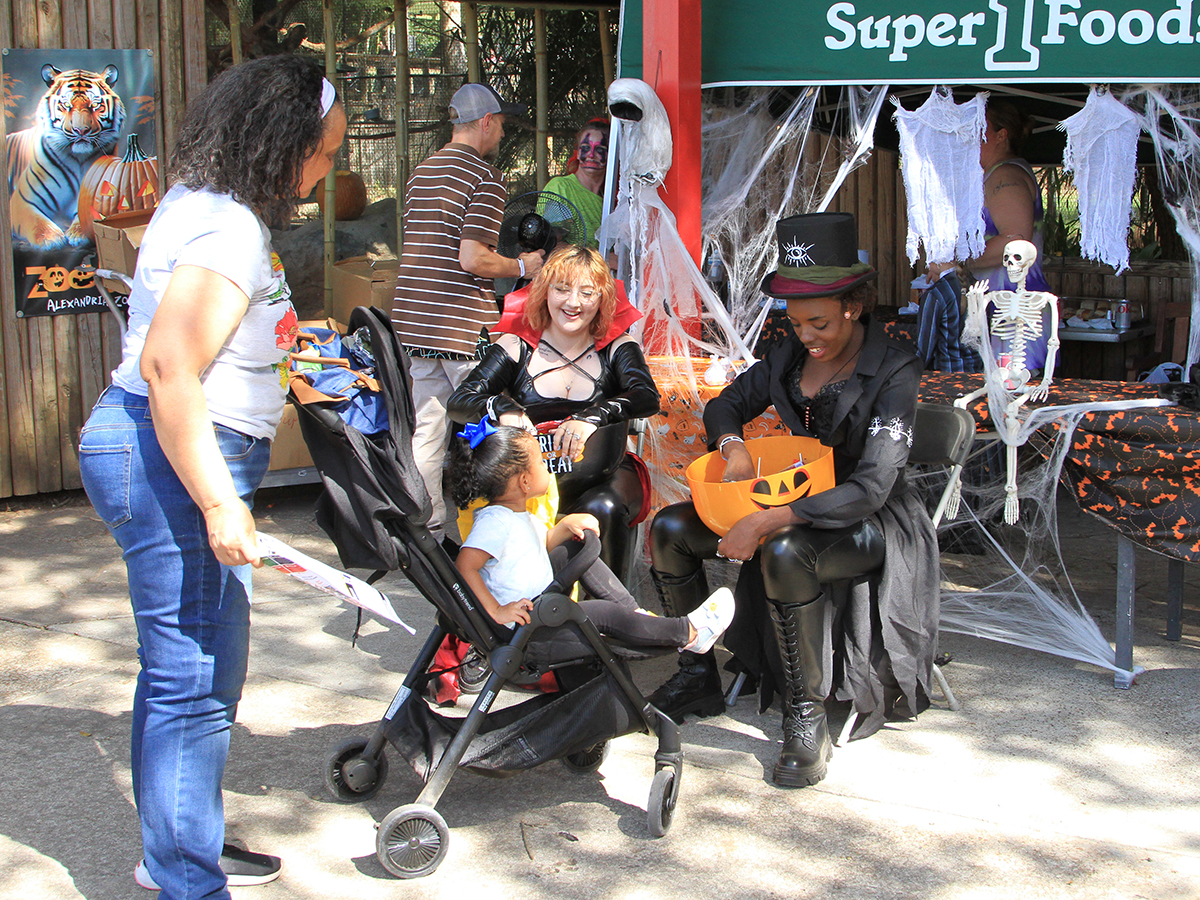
[[433, 381]]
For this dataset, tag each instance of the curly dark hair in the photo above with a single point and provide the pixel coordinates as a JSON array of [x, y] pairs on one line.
[[865, 294], [249, 133], [486, 470]]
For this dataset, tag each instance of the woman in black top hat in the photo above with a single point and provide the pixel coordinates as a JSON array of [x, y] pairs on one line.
[[849, 576]]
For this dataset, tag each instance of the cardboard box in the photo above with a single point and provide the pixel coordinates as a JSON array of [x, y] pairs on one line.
[[117, 240], [361, 281], [288, 450]]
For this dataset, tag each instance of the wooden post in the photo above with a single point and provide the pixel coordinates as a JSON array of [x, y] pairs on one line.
[[331, 177], [235, 30], [541, 150], [671, 65], [606, 48], [195, 48], [402, 80], [470, 28]]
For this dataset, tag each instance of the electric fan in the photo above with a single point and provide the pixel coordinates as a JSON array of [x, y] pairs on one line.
[[537, 220]]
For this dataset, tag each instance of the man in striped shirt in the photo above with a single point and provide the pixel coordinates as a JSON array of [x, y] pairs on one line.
[[444, 300], [940, 324]]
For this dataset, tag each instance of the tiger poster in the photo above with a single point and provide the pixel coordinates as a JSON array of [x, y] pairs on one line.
[[81, 145]]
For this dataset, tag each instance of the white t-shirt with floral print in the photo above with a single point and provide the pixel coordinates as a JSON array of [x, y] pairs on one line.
[[246, 384]]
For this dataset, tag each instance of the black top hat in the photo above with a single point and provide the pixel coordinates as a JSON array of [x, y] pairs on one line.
[[818, 257]]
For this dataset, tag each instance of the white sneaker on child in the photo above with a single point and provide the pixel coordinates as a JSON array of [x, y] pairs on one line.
[[710, 620]]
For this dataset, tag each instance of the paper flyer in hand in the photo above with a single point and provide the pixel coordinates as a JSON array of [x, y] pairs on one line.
[[278, 555]]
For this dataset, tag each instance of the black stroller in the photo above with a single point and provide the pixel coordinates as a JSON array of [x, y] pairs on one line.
[[374, 507]]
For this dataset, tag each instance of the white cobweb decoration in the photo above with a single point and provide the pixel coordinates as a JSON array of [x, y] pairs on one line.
[[767, 155], [1014, 585], [1170, 114], [762, 160]]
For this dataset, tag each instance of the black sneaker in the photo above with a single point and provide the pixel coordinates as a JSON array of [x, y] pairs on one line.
[[242, 868]]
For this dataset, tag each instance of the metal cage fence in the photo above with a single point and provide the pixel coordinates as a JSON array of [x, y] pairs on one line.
[[366, 72]]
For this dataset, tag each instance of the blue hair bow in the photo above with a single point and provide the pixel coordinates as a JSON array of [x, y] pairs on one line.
[[475, 433]]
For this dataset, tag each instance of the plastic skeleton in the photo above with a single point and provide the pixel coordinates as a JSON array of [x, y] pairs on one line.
[[1017, 321]]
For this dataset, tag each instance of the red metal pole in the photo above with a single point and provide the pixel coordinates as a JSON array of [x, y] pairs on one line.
[[671, 65]]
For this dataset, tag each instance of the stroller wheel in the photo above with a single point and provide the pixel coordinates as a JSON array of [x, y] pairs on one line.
[[473, 672], [350, 776], [661, 808], [412, 840], [588, 760]]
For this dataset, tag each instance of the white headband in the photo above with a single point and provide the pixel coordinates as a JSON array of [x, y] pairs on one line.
[[328, 95]]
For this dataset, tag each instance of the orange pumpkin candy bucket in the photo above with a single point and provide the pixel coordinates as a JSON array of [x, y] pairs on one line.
[[720, 504]]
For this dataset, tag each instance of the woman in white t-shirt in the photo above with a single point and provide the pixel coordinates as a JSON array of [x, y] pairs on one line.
[[177, 445]]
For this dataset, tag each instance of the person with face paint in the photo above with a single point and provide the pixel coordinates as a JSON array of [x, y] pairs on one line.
[[177, 445], [583, 184], [839, 594]]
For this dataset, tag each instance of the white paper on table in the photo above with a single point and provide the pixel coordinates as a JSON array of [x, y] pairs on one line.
[[278, 555]]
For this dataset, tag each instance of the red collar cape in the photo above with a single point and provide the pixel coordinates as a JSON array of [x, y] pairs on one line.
[[512, 320]]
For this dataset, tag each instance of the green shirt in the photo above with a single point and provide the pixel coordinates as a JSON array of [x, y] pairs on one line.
[[590, 205]]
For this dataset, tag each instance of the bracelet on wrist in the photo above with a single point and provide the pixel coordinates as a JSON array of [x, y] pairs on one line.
[[728, 439], [521, 267]]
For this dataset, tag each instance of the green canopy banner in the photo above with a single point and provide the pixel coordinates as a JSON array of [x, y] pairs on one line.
[[937, 41]]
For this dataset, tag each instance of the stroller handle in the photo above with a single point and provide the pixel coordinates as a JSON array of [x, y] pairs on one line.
[[577, 565]]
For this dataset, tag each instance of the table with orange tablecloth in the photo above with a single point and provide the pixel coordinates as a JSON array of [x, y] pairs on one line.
[[1136, 470]]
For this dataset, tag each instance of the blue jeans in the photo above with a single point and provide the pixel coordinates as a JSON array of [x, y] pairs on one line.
[[193, 626]]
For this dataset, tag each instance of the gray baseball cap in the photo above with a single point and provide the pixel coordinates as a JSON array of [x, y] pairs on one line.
[[474, 101]]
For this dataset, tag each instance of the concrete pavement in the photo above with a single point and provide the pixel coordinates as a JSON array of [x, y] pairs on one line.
[[1048, 782]]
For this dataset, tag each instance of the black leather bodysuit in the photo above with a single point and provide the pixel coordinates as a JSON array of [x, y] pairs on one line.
[[624, 390]]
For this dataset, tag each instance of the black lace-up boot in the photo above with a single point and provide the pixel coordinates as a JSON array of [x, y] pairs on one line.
[[696, 688], [806, 745]]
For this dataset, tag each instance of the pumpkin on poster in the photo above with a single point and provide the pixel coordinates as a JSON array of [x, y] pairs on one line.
[[349, 196], [118, 184]]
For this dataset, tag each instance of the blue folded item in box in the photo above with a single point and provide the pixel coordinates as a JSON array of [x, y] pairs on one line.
[[363, 408]]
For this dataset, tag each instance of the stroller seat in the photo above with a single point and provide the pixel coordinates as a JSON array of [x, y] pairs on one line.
[[374, 507]]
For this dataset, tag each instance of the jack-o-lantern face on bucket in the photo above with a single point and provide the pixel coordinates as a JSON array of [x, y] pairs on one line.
[[780, 489]]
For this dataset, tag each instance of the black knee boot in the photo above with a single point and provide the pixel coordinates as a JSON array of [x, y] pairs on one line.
[[806, 744], [696, 687]]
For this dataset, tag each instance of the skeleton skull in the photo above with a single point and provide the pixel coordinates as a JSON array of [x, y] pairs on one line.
[[1018, 257]]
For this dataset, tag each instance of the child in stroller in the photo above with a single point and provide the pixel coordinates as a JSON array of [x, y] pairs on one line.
[[509, 556], [375, 508]]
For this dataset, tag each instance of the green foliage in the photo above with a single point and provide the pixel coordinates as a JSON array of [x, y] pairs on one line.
[[576, 89], [1060, 230]]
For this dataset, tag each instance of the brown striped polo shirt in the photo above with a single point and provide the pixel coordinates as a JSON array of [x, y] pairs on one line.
[[452, 195]]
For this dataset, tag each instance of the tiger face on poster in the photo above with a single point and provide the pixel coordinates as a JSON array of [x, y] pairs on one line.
[[80, 145]]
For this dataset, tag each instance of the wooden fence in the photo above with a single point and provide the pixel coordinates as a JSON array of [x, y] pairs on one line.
[[1147, 283], [874, 192], [54, 367]]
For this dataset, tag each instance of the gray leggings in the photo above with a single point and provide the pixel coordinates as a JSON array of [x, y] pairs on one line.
[[614, 611]]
